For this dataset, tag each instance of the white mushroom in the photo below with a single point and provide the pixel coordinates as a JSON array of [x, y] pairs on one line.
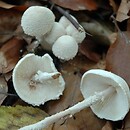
[[37, 20], [78, 35], [106, 93], [65, 48], [110, 107], [36, 80], [65, 22], [57, 31]]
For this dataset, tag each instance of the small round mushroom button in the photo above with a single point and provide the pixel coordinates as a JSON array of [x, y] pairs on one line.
[[37, 21]]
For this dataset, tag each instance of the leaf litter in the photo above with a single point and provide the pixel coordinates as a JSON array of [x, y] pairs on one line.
[[94, 52]]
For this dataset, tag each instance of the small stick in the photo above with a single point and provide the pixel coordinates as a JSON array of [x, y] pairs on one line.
[[8, 94], [67, 15]]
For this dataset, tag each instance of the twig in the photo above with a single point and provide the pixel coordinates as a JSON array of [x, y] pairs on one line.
[[67, 15], [8, 94]]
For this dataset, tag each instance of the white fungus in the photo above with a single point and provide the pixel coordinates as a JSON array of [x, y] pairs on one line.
[[37, 20], [65, 48], [65, 22], [36, 80], [57, 31], [106, 93], [78, 35]]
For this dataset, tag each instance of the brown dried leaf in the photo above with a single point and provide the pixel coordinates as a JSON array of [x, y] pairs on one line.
[[9, 20], [118, 56], [87, 49], [10, 6], [5, 5], [83, 64], [107, 126], [126, 125], [77, 4], [83, 120], [10, 54], [3, 89], [113, 4], [123, 11], [93, 48]]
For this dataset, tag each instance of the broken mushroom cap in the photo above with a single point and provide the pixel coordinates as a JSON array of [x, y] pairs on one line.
[[116, 105], [37, 20], [57, 31], [65, 48], [36, 80], [78, 35]]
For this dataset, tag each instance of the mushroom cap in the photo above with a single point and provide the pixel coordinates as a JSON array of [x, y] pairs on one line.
[[65, 22], [23, 72], [65, 47], [57, 31], [114, 107], [37, 20], [79, 36]]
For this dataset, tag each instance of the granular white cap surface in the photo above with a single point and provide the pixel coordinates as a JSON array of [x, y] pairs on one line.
[[37, 20], [65, 47]]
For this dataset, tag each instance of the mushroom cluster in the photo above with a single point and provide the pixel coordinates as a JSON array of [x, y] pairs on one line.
[[107, 94], [36, 80], [51, 34]]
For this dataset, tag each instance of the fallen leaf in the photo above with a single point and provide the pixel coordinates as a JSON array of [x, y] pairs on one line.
[[8, 75], [9, 20], [113, 4], [126, 124], [82, 64], [5, 5], [83, 120], [88, 49], [10, 54], [3, 89], [97, 28], [77, 4], [122, 13], [13, 118], [94, 48], [113, 38], [10, 6], [118, 58], [107, 126]]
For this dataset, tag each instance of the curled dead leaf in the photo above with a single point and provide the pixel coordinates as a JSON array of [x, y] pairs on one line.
[[118, 58], [87, 49], [12, 118], [10, 54], [5, 5], [122, 13], [107, 126], [77, 4], [3, 89], [126, 124], [9, 20], [113, 4]]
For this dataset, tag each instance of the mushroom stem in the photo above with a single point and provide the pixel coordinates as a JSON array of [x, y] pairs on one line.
[[43, 76], [99, 96]]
